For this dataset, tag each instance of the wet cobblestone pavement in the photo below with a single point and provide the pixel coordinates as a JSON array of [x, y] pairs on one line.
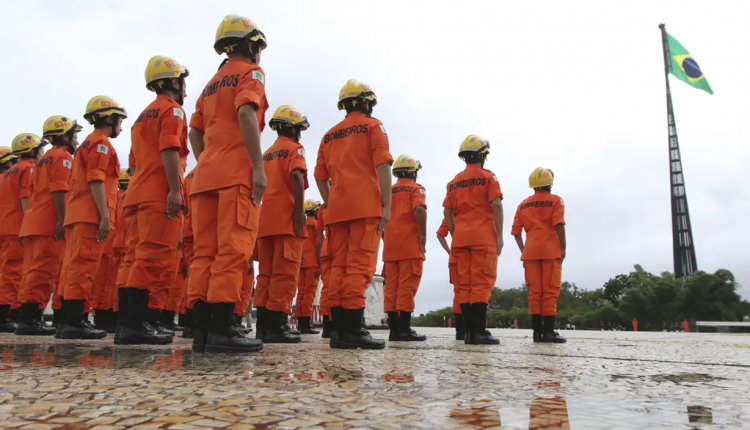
[[597, 380]]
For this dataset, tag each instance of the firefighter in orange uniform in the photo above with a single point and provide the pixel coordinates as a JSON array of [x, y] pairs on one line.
[[42, 230], [309, 273], [159, 150], [325, 271], [118, 252], [354, 155], [14, 201], [228, 185], [187, 256], [281, 233], [442, 234], [403, 248], [542, 216], [90, 216], [474, 215]]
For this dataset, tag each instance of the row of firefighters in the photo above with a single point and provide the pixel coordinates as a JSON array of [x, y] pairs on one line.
[[70, 217]]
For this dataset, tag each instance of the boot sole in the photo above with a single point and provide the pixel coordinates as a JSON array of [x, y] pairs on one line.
[[344, 345], [142, 342], [407, 340], [224, 349], [266, 340], [83, 337]]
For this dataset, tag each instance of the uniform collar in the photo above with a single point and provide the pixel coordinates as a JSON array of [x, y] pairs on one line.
[[26, 161], [284, 139], [164, 97], [474, 167], [356, 114], [405, 181]]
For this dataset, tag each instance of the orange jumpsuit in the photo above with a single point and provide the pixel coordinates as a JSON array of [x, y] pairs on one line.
[[175, 284], [309, 274], [220, 196], [161, 126], [474, 245], [99, 293], [95, 160], [402, 256], [118, 253], [187, 241], [349, 155], [325, 264], [13, 188], [538, 215], [42, 252], [452, 270], [279, 247]]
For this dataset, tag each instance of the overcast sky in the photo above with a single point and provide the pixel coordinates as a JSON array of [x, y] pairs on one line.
[[577, 87]]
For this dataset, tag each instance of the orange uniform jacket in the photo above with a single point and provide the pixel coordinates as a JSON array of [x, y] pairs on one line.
[[401, 241], [225, 161], [13, 188], [311, 243], [349, 155], [470, 195], [95, 160], [187, 223], [325, 250], [538, 215], [52, 174]]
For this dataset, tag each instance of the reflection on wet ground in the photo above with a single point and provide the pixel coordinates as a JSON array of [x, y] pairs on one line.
[[666, 381]]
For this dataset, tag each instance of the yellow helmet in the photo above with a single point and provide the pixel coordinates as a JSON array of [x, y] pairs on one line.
[[541, 177], [474, 144], [26, 142], [101, 107], [356, 89], [311, 205], [124, 176], [160, 67], [237, 27], [407, 164], [6, 154], [58, 125], [288, 115]]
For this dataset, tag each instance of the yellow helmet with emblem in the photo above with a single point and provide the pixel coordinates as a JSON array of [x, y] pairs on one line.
[[406, 164], [160, 68], [474, 144], [101, 107], [541, 178], [354, 89], [288, 115], [311, 205], [124, 176], [58, 125], [6, 154], [235, 27], [26, 142]]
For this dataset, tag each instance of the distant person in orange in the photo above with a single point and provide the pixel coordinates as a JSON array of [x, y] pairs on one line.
[[542, 216], [309, 274], [325, 271], [119, 316], [282, 225], [685, 326], [159, 150], [42, 230], [474, 215], [187, 256], [228, 186], [635, 324], [90, 215], [442, 234], [404, 247], [14, 201], [354, 155]]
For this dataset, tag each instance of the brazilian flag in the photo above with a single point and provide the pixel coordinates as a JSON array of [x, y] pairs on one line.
[[684, 67]]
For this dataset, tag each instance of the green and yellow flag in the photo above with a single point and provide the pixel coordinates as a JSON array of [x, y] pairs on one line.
[[684, 67]]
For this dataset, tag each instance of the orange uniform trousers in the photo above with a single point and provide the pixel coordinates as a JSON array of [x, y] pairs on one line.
[[227, 221], [453, 271], [543, 277], [11, 269], [401, 284], [155, 248], [354, 246], [187, 255], [130, 214], [325, 274], [56, 297], [476, 273], [99, 292], [279, 258], [41, 268], [248, 282], [81, 261], [112, 296], [308, 281], [176, 284]]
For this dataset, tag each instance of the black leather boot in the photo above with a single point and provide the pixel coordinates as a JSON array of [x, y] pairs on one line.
[[137, 330], [123, 311], [56, 318], [289, 328], [100, 319], [167, 321], [536, 326], [354, 335], [241, 327], [261, 322], [550, 335], [13, 314], [76, 325], [303, 323], [223, 337], [405, 332], [202, 313], [481, 336], [468, 323], [276, 331], [112, 321], [188, 324], [460, 333], [153, 317], [337, 325], [6, 325], [326, 327], [30, 322], [393, 325]]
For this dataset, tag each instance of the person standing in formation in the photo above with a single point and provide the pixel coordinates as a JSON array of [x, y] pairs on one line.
[[442, 234], [309, 274], [354, 155], [325, 271]]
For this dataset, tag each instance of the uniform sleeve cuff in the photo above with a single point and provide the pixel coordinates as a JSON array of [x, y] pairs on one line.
[[95, 175], [58, 186], [246, 97], [169, 142], [382, 158]]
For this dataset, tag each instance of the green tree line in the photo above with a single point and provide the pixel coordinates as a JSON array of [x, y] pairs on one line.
[[656, 302]]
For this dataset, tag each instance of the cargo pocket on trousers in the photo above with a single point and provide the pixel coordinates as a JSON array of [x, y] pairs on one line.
[[246, 211], [490, 264], [90, 249], [556, 280], [162, 230], [416, 267], [371, 238], [293, 250]]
